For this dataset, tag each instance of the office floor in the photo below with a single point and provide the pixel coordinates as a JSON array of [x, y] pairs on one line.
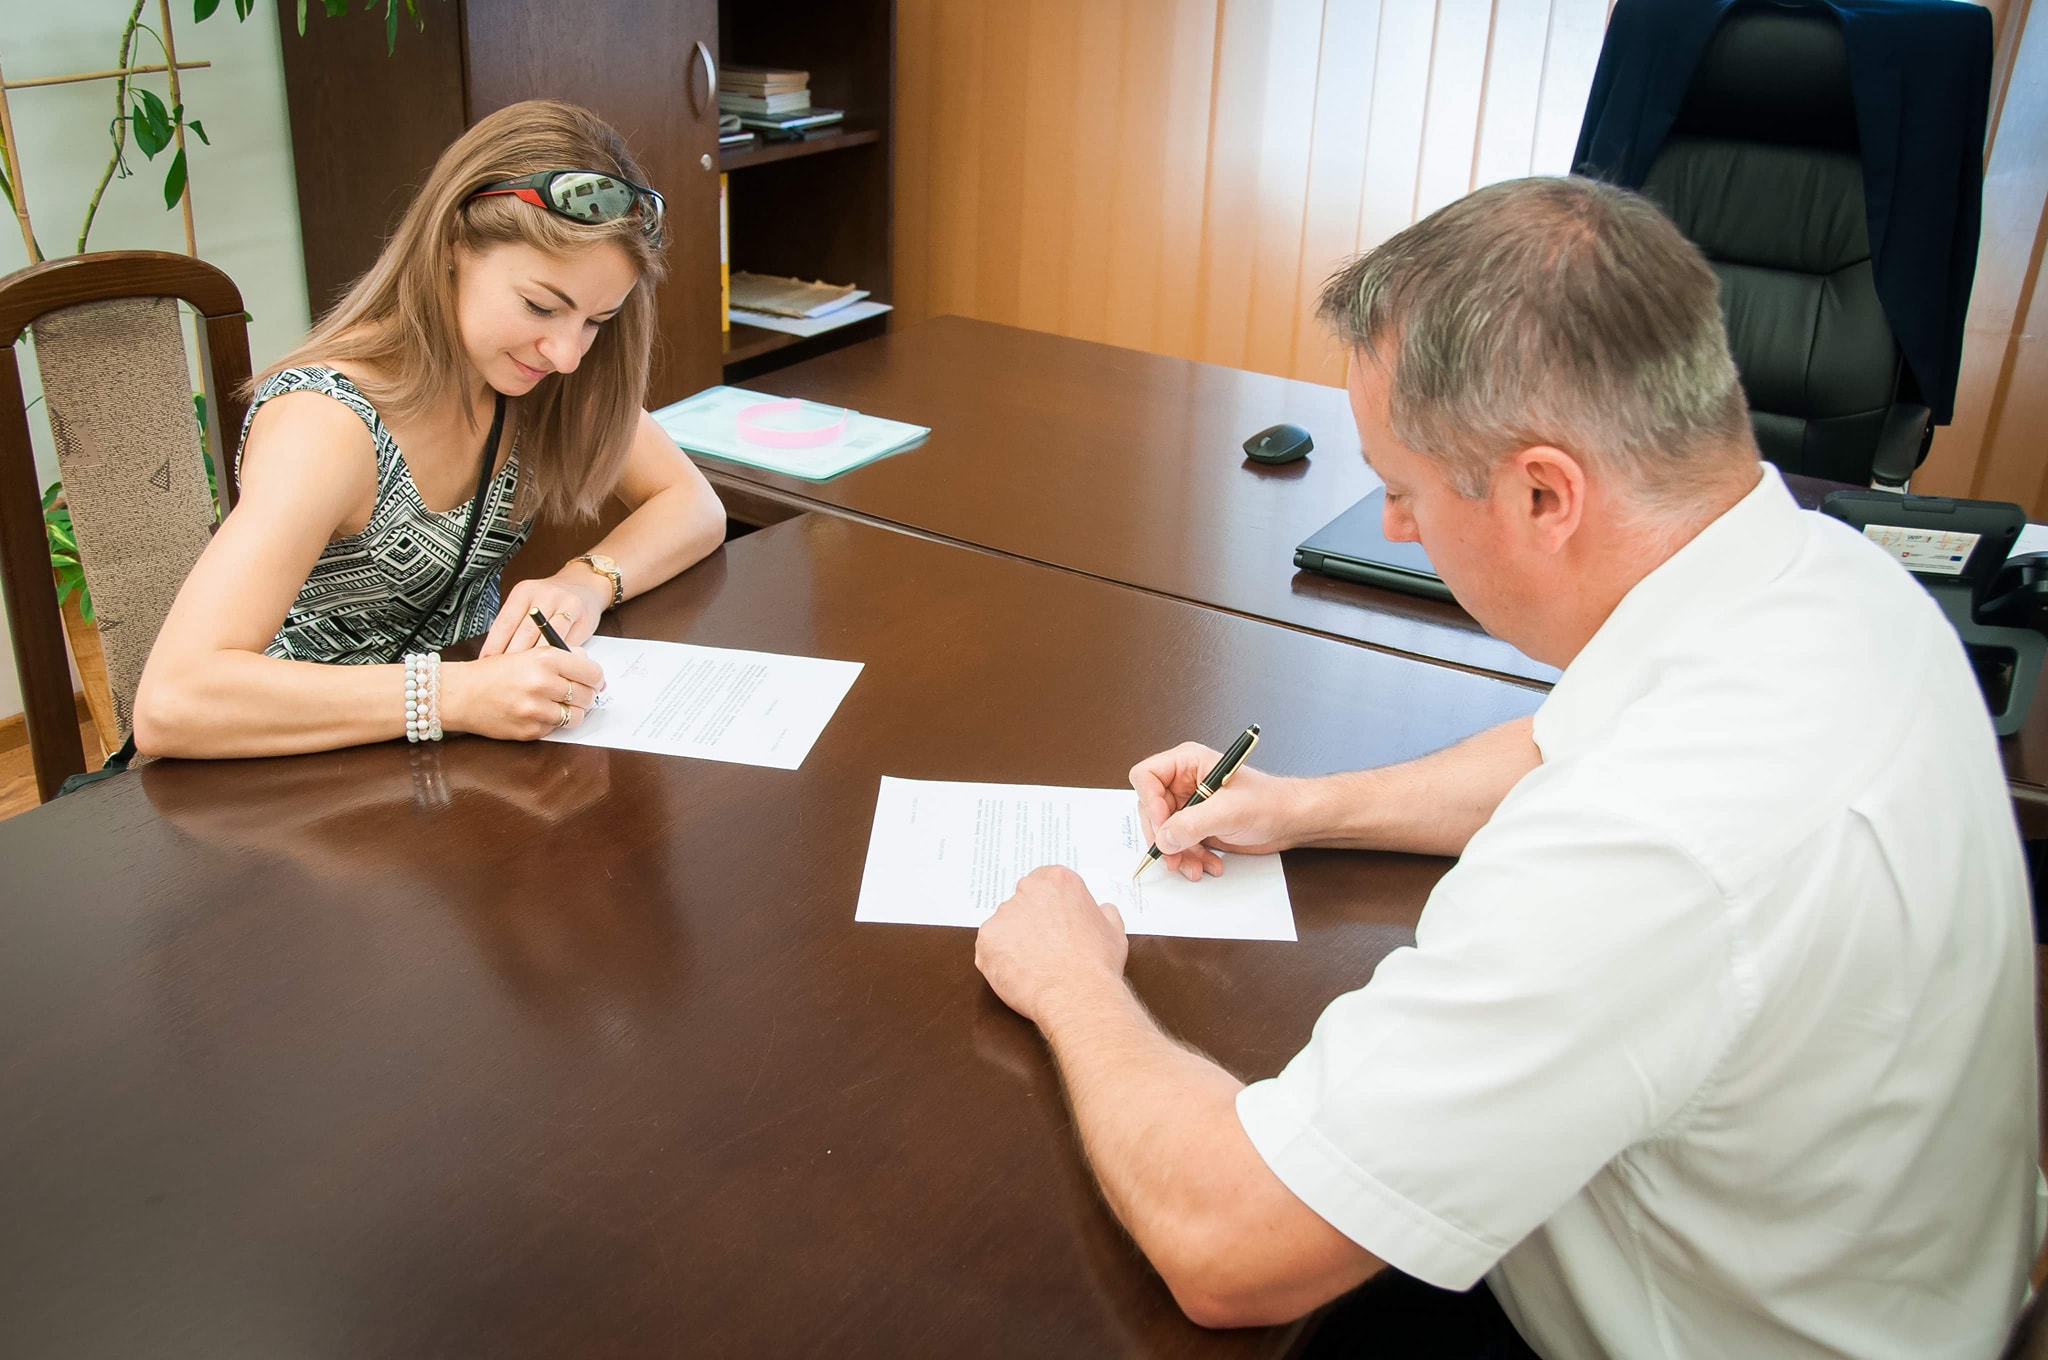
[[18, 794], [18, 776]]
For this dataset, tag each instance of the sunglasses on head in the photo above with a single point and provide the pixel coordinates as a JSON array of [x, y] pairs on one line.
[[584, 196]]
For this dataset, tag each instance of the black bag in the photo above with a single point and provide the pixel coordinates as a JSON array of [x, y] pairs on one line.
[[118, 762]]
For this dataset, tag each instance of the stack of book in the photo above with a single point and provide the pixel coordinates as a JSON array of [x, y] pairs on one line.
[[771, 101]]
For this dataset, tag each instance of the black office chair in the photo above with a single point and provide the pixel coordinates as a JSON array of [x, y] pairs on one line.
[[1762, 171]]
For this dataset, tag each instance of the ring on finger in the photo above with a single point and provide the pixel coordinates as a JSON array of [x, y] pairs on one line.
[[565, 616], [569, 695], [563, 721]]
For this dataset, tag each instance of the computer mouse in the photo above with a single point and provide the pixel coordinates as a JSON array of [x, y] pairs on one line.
[[1280, 444]]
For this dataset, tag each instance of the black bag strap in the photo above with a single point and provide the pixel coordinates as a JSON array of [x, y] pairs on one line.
[[476, 514], [116, 763]]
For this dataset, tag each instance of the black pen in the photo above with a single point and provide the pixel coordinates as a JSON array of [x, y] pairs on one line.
[[1217, 778], [547, 630]]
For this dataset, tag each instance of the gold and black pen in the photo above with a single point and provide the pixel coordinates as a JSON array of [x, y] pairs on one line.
[[547, 630], [1216, 779]]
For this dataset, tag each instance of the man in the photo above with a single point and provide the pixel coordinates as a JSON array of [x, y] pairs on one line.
[[1718, 1038]]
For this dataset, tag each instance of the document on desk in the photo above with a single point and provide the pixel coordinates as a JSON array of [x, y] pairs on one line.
[[949, 854], [746, 708]]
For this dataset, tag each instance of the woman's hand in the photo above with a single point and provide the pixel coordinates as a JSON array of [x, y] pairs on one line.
[[519, 696], [573, 600]]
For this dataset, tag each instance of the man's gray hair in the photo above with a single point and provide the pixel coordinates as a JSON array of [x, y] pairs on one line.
[[1556, 311]]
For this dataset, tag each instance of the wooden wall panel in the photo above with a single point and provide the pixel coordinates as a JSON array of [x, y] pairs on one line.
[[1180, 176], [1997, 447]]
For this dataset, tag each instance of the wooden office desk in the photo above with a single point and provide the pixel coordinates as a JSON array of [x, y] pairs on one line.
[[1127, 466], [534, 1050], [1113, 463]]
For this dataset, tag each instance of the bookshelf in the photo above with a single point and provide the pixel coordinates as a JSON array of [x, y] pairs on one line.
[[820, 207], [367, 126]]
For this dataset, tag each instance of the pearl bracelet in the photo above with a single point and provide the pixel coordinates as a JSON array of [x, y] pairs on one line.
[[423, 696]]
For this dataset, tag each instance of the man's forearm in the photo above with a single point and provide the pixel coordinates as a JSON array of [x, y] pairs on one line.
[[1430, 806], [1159, 1126]]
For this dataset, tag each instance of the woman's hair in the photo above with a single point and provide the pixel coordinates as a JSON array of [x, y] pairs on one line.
[[574, 428]]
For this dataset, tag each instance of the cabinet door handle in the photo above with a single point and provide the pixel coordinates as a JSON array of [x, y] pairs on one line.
[[710, 78]]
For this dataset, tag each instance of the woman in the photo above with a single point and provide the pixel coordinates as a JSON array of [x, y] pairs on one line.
[[491, 366]]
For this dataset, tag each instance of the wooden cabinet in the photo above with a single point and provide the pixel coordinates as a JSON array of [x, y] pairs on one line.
[[367, 127]]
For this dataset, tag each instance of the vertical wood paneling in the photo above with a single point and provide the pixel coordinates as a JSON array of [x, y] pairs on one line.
[[1506, 148], [1190, 118], [1336, 175], [954, 247], [1995, 448], [1393, 130], [1450, 126], [916, 51], [1130, 196], [1571, 49], [1230, 207], [1091, 166], [1051, 128], [999, 234], [1280, 195], [1181, 175]]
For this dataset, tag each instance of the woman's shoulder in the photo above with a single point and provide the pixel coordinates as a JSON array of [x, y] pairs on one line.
[[313, 406], [323, 378]]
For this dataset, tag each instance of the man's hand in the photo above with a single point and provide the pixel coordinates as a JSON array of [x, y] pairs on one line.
[[1252, 814], [1051, 938]]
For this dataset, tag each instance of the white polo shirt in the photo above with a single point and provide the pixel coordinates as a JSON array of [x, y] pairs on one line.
[[1718, 1040]]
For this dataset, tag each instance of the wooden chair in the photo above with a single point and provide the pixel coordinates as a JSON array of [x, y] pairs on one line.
[[110, 347]]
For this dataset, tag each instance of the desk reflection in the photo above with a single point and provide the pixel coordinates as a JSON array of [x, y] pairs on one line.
[[499, 837]]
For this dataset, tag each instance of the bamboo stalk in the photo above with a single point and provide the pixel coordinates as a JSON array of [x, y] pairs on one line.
[[178, 128], [13, 158], [114, 74], [124, 58]]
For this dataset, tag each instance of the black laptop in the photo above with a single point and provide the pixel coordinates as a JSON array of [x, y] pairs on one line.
[[1352, 547]]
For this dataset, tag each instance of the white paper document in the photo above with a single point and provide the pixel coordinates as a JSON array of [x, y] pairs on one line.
[[948, 854], [714, 703], [844, 314]]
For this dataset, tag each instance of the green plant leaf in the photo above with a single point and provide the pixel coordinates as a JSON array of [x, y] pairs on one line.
[[51, 495], [302, 18], [390, 27], [200, 132], [243, 9], [338, 9], [63, 540], [84, 602], [159, 116], [145, 136], [202, 10], [199, 409], [174, 182], [151, 123]]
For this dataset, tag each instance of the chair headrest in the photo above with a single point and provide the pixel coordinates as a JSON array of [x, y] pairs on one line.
[[1774, 72]]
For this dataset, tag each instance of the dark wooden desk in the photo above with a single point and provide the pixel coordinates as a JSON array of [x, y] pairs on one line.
[[510, 1050], [1113, 463], [1126, 466]]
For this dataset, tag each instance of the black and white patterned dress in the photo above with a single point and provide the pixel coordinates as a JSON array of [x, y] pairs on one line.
[[369, 588]]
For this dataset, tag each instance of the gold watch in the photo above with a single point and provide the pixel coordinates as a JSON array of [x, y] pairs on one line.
[[608, 569]]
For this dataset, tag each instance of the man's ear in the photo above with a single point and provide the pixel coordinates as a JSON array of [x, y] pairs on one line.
[[1548, 491]]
